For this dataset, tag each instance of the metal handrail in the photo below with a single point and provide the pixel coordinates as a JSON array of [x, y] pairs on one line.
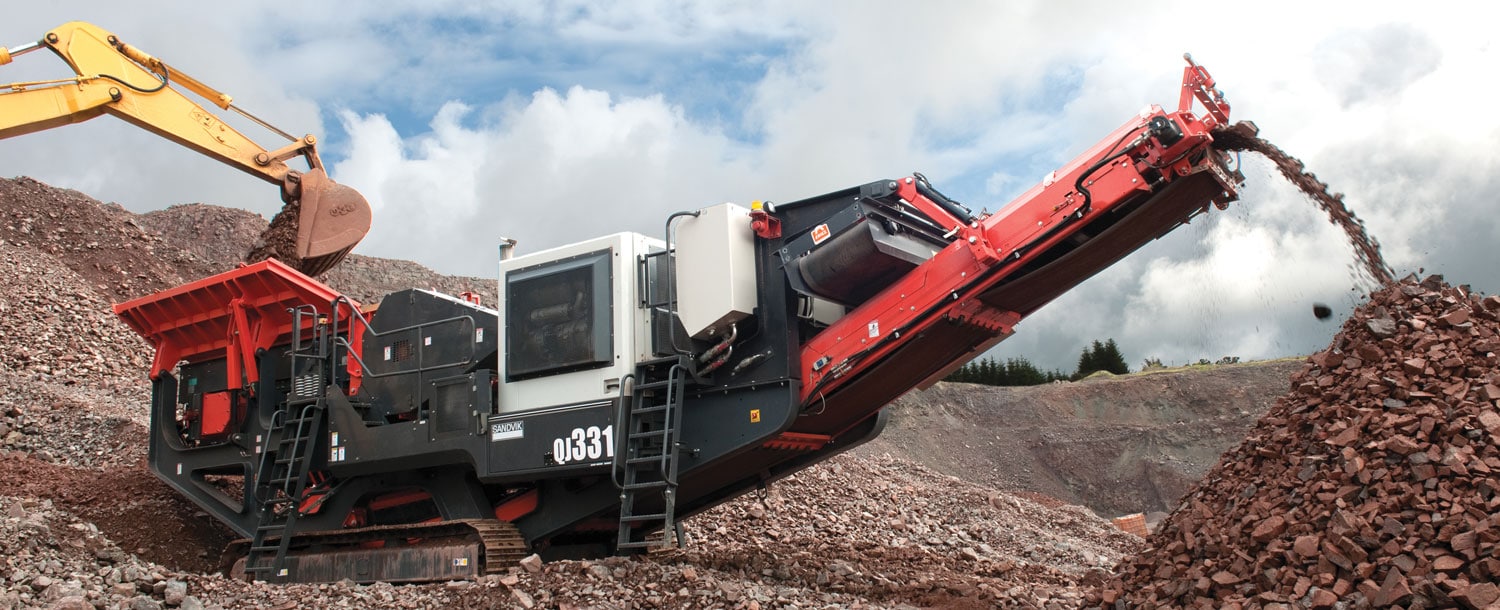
[[356, 315], [672, 281], [671, 421], [264, 469], [627, 393]]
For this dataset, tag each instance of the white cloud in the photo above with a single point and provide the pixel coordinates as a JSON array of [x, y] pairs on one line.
[[550, 170]]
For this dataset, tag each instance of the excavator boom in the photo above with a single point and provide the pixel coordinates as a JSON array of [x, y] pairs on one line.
[[322, 220]]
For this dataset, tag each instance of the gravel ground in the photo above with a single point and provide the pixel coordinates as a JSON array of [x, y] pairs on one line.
[[854, 532]]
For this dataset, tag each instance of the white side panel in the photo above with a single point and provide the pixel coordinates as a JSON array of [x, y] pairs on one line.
[[630, 328], [715, 274]]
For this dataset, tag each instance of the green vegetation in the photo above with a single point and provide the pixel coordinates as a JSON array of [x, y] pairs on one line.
[[1097, 357], [1011, 372], [1101, 357]]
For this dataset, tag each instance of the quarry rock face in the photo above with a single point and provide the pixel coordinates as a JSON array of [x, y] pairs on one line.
[[1372, 483]]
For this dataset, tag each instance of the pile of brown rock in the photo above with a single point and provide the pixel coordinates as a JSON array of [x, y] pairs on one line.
[[215, 239], [1373, 483], [53, 560]]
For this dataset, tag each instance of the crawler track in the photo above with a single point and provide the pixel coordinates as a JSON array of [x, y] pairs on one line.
[[421, 552]]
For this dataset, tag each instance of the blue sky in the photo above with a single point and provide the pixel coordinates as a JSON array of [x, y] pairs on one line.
[[556, 121]]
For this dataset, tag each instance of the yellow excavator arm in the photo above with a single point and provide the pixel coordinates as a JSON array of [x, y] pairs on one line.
[[321, 221]]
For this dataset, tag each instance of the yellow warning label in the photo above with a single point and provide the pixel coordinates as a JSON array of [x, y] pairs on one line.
[[755, 416]]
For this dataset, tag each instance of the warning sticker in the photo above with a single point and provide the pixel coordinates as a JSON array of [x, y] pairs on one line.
[[755, 416], [820, 233], [874, 329]]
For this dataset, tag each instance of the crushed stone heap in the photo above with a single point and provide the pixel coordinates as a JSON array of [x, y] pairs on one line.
[[1373, 483]]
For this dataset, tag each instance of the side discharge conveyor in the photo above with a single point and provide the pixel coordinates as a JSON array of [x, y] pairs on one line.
[[627, 382]]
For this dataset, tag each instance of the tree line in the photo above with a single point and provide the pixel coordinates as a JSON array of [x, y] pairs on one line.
[[1019, 371]]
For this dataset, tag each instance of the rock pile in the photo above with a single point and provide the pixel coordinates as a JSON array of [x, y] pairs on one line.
[[71, 376], [121, 255], [79, 425], [216, 239], [102, 243], [366, 279], [51, 559], [213, 238], [1372, 484], [55, 327]]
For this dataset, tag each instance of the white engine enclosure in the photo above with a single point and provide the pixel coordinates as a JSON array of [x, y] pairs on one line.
[[629, 328], [715, 276]]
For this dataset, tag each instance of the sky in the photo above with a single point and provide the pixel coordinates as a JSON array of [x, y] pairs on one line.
[[553, 122]]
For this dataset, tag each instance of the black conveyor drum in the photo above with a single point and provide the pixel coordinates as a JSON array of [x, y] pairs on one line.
[[860, 262]]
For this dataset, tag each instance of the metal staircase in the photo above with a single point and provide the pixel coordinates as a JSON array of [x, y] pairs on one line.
[[294, 433], [646, 468]]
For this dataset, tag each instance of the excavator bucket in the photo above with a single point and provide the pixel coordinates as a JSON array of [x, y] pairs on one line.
[[333, 218], [320, 223]]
